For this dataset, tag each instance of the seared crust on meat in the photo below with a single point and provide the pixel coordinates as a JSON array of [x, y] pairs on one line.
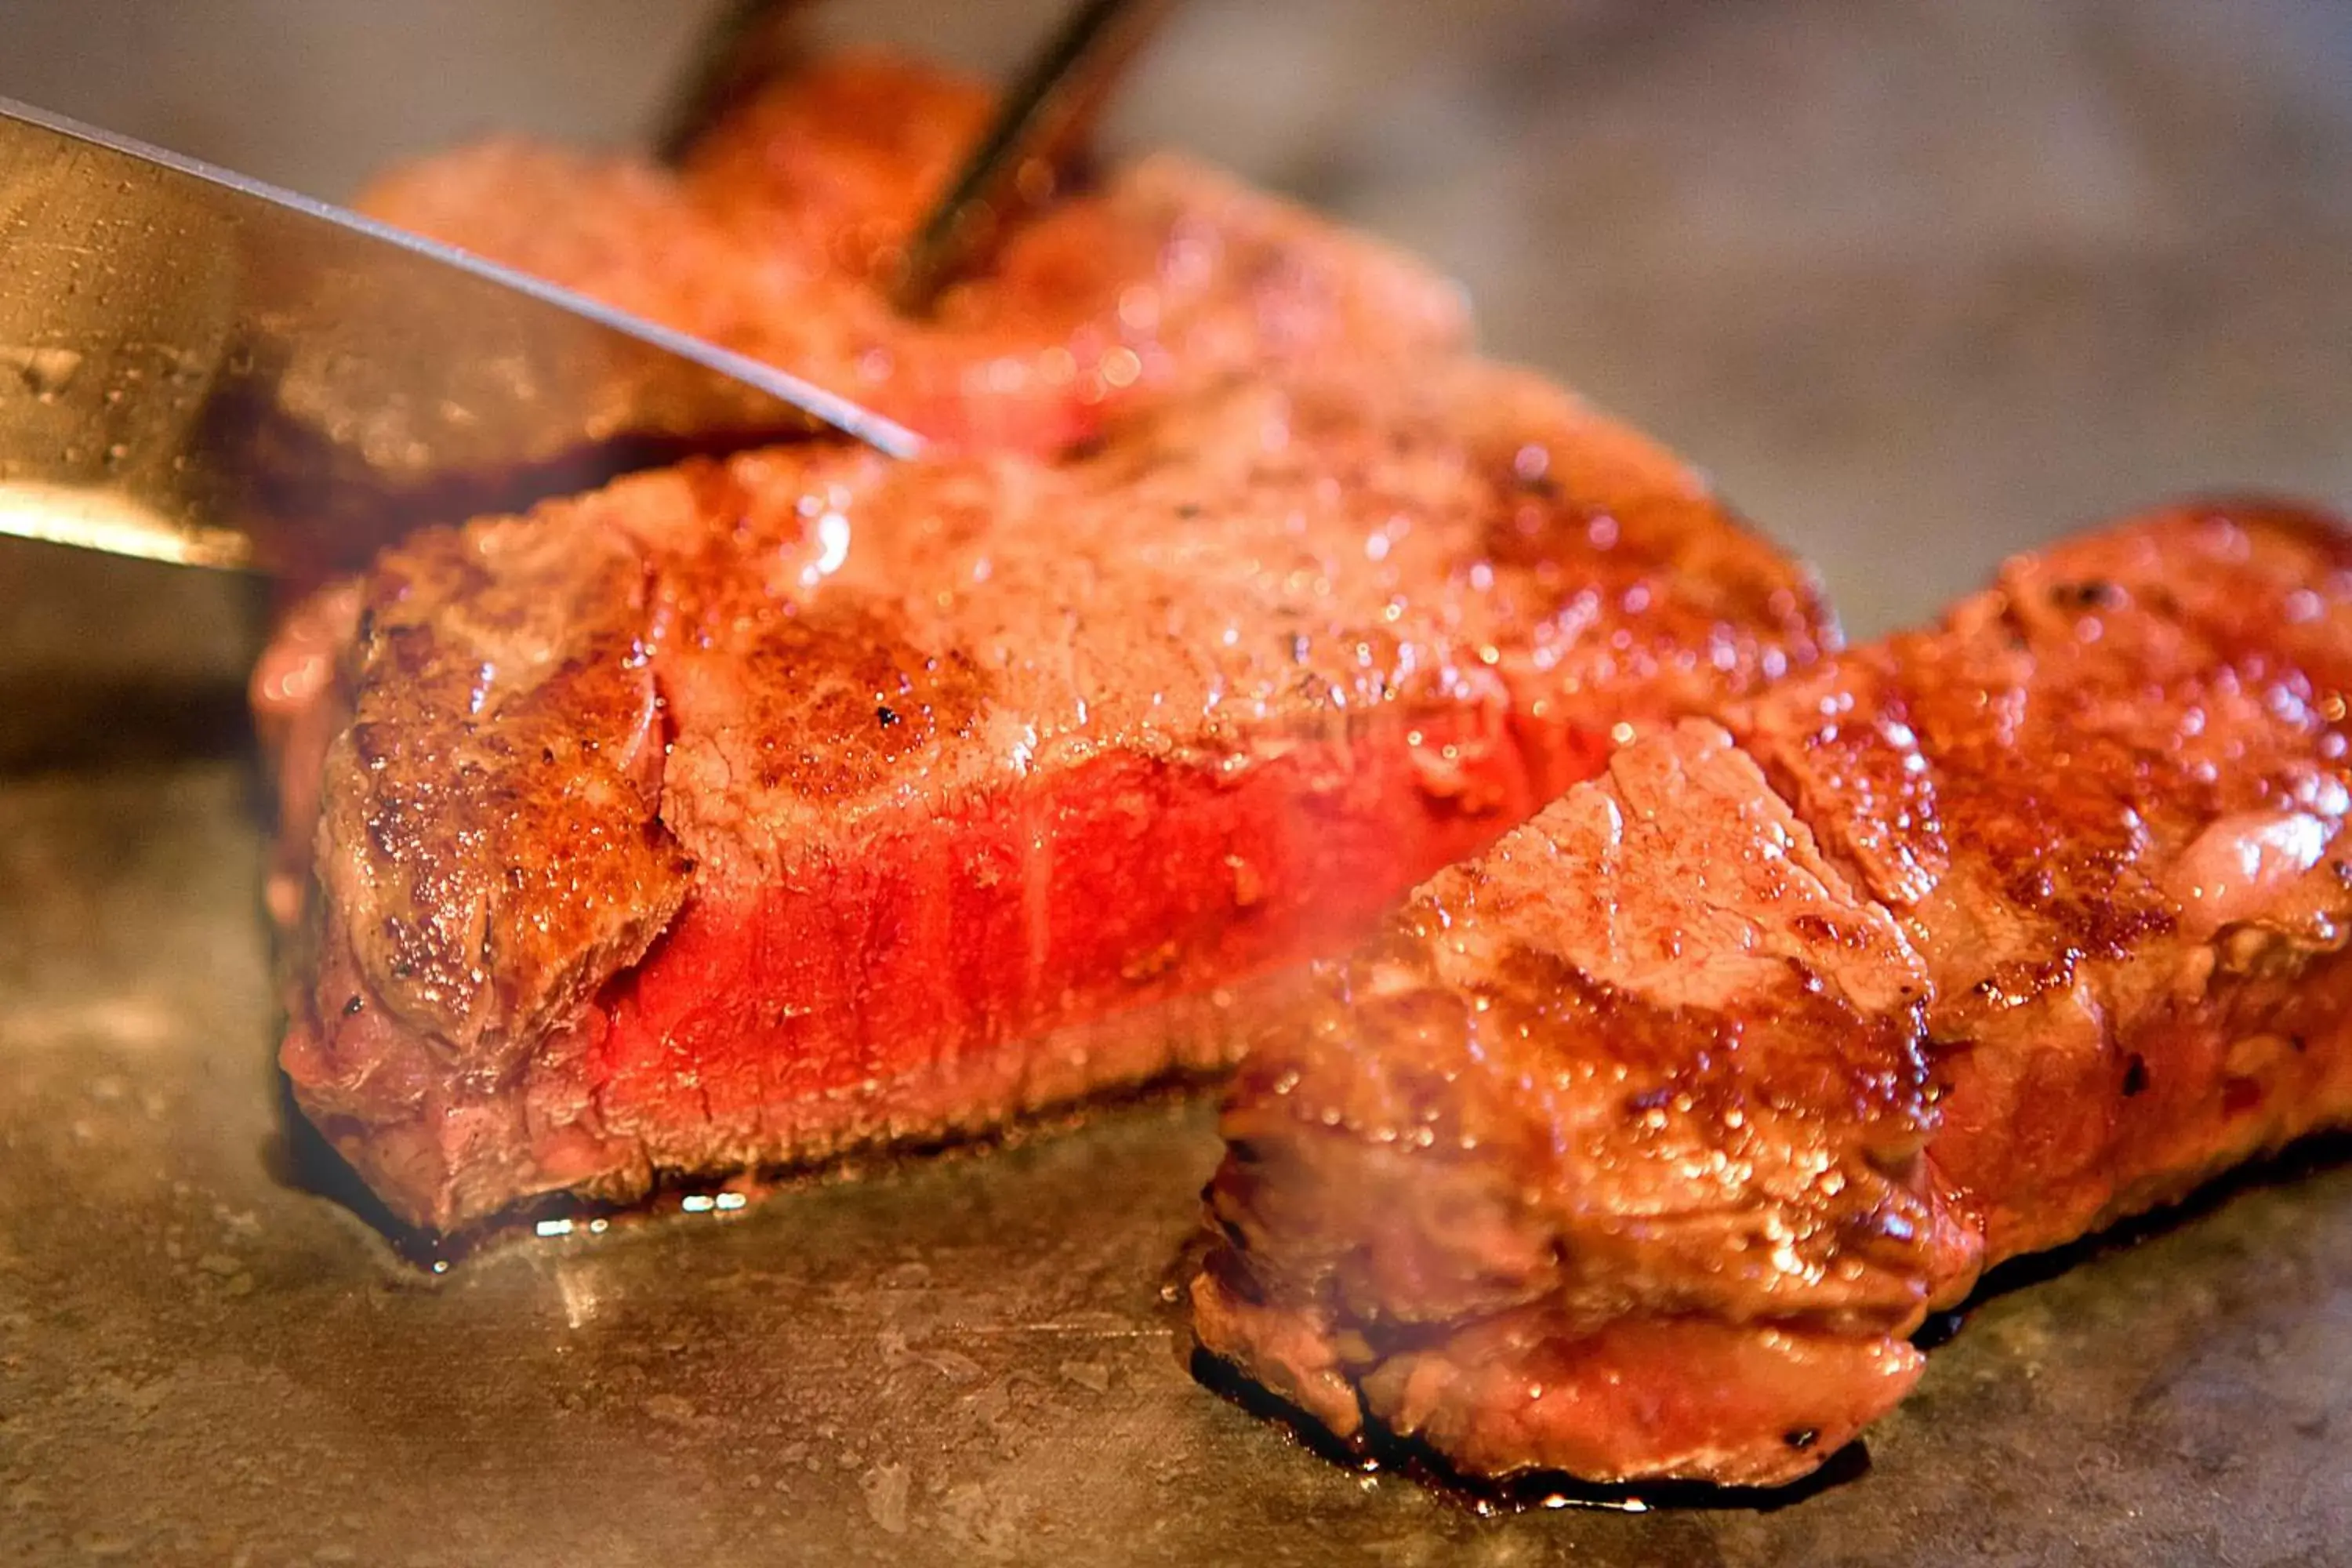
[[780, 236], [501, 861], [743, 812], [1638, 1145]]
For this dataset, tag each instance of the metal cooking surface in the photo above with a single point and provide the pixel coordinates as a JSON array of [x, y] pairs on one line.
[[1916, 315]]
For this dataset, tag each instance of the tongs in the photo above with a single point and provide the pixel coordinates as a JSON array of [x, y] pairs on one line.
[[1045, 111], [201, 368]]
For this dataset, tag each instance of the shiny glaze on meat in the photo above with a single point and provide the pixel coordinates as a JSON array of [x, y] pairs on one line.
[[1639, 1145], [743, 812], [780, 234]]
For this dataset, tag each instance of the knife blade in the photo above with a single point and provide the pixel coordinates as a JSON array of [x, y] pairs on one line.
[[202, 368]]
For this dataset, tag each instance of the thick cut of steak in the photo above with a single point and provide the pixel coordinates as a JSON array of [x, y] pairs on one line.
[[738, 814], [781, 232], [1638, 1145]]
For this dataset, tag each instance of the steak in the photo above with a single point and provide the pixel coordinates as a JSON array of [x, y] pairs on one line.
[[778, 236], [1638, 1146], [1156, 282], [746, 812]]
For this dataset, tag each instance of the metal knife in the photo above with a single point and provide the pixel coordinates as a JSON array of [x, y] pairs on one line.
[[198, 367]]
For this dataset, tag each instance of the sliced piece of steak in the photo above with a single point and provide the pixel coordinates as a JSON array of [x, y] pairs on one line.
[[1638, 1145], [780, 237], [738, 814]]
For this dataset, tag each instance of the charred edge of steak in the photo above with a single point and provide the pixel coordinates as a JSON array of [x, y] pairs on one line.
[[1375, 1448]]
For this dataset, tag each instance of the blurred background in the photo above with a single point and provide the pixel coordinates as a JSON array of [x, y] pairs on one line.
[[1919, 284]]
